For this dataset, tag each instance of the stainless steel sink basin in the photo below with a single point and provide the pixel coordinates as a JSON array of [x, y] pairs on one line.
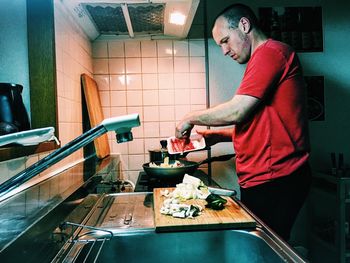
[[232, 246]]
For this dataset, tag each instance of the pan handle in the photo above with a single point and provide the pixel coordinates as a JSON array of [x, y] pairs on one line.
[[220, 158]]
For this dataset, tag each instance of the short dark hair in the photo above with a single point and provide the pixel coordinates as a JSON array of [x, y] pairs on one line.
[[233, 13]]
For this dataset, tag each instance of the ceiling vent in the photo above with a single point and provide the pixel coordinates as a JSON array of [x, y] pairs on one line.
[[132, 19]]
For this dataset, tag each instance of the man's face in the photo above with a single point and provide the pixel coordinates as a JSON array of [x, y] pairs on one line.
[[233, 41]]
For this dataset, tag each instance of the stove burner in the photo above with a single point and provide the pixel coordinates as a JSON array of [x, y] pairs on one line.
[[146, 183]]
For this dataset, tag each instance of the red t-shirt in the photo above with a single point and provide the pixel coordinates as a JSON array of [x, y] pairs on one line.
[[274, 141]]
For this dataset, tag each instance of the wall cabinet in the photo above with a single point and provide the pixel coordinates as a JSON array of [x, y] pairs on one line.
[[330, 218]]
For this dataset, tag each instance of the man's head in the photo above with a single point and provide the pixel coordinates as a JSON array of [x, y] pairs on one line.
[[233, 29]]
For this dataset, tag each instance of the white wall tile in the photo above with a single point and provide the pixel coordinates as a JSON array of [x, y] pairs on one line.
[[105, 98], [116, 49], [118, 98], [195, 107], [149, 81], [197, 80], [181, 111], [182, 96], [197, 64], [63, 113], [149, 65], [151, 113], [100, 65], [166, 97], [134, 98], [167, 129], [166, 81], [118, 111], [116, 65], [136, 161], [151, 129], [181, 48], [165, 65], [165, 48], [117, 82], [132, 49], [197, 48], [121, 148], [102, 82], [150, 97], [181, 80], [106, 112], [133, 65], [181, 64], [99, 49], [60, 78], [198, 96], [149, 48], [166, 113], [136, 146], [134, 82], [59, 59]]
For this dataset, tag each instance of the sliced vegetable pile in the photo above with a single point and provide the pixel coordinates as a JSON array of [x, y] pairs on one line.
[[190, 188]]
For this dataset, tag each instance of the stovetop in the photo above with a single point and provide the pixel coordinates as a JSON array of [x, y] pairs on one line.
[[147, 184]]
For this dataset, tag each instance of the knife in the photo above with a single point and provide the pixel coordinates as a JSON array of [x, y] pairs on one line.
[[222, 191]]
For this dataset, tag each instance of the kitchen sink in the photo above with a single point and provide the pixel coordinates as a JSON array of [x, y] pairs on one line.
[[232, 246]]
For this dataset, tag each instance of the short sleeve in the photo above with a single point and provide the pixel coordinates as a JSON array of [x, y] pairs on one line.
[[264, 71]]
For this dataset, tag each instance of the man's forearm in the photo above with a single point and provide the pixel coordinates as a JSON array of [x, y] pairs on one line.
[[228, 113]]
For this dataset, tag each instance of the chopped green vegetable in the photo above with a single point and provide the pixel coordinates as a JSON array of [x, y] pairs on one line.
[[215, 202]]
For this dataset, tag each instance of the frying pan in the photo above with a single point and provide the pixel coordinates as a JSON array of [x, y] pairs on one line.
[[188, 167]]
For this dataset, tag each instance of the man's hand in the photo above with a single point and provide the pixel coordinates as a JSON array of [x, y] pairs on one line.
[[183, 130], [215, 136], [209, 137]]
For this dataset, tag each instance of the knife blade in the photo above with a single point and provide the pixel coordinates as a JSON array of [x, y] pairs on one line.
[[222, 191]]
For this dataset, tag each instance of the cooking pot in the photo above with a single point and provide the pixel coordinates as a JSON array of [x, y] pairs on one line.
[[157, 155], [187, 167]]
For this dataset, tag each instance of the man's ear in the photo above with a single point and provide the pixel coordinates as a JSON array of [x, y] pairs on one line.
[[244, 25]]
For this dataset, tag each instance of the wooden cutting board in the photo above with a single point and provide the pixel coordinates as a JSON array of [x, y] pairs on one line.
[[232, 216], [95, 112]]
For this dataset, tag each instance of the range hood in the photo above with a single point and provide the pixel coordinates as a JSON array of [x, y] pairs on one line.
[[133, 18]]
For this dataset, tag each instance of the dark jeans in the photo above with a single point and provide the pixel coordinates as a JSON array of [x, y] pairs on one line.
[[277, 203]]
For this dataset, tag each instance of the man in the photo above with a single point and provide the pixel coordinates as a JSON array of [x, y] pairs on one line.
[[268, 111]]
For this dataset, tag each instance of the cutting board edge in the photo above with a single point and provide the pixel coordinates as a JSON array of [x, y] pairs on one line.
[[240, 226]]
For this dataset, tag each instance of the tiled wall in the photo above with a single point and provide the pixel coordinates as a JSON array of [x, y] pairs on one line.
[[162, 80], [73, 58]]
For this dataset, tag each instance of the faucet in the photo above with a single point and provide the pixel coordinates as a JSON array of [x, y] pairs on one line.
[[122, 126]]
